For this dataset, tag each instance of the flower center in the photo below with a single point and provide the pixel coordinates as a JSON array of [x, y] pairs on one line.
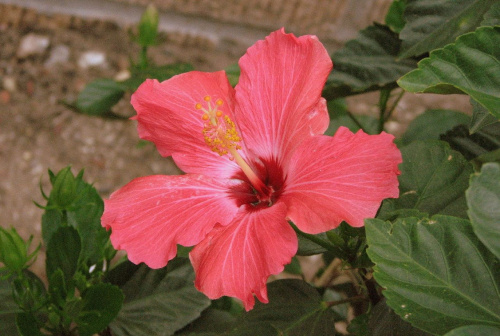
[[220, 134]]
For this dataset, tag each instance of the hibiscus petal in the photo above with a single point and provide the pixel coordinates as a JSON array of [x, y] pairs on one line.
[[236, 260], [338, 178], [167, 116], [150, 215], [279, 94]]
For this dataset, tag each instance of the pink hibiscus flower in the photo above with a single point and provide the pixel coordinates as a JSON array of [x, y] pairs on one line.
[[254, 158]]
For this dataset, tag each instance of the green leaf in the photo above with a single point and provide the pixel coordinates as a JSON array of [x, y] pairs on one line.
[[385, 322], [8, 308], [161, 73], [433, 179], [475, 330], [483, 200], [294, 308], [432, 123], [100, 305], [86, 218], [492, 16], [63, 252], [480, 117], [469, 65], [473, 145], [27, 325], [394, 18], [437, 274], [432, 24], [367, 63], [233, 74], [211, 321], [99, 96], [293, 267], [84, 214], [159, 302]]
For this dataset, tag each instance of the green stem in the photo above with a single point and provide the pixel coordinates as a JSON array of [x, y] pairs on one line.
[[393, 107], [143, 57], [382, 105], [356, 121]]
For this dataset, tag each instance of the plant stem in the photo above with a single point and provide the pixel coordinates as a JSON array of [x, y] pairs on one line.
[[355, 120], [382, 105], [357, 298]]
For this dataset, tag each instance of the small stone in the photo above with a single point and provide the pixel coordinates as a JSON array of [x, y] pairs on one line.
[[92, 59], [122, 76], [58, 55], [32, 44], [9, 83]]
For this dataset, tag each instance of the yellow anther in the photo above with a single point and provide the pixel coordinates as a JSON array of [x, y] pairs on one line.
[[207, 98], [218, 113], [205, 116], [198, 106], [219, 102]]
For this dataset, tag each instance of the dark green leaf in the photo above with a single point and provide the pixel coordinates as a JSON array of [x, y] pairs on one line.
[[394, 18], [58, 288], [257, 328], [99, 96], [294, 308], [473, 145], [359, 326], [27, 325], [480, 117], [492, 16], [159, 302], [469, 65], [433, 179], [63, 252], [475, 330], [432, 123], [385, 322], [308, 247], [367, 63], [86, 218], [483, 199], [293, 267], [8, 308], [211, 321], [339, 116], [161, 73], [432, 24], [437, 274], [100, 305]]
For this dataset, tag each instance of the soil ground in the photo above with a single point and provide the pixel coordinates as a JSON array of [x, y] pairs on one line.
[[38, 132]]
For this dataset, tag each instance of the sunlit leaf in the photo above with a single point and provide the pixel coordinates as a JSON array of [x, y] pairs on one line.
[[433, 179], [483, 199], [470, 65], [432, 24], [437, 275], [99, 96], [480, 117], [475, 330], [367, 63]]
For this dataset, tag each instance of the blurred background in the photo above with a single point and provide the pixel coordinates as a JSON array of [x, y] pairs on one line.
[[50, 49]]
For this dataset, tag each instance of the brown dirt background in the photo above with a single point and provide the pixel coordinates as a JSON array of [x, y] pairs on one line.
[[37, 132]]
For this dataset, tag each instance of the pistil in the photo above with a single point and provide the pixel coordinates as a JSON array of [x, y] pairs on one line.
[[221, 136]]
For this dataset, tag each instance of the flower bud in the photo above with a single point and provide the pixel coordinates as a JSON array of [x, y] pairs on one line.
[[148, 27], [13, 250], [64, 189]]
